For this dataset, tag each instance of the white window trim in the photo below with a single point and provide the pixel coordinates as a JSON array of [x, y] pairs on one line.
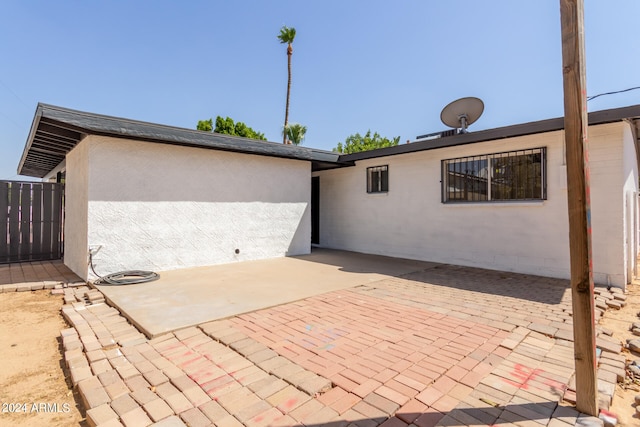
[[378, 187]]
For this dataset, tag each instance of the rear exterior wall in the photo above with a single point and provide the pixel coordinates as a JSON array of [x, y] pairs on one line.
[[159, 207], [630, 202], [75, 209], [410, 220]]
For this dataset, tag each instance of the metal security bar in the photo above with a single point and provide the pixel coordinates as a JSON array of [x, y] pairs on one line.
[[506, 176], [31, 221]]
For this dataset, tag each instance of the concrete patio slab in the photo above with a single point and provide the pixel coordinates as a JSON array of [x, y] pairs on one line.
[[183, 298]]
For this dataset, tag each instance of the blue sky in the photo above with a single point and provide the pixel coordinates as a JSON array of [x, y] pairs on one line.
[[357, 65]]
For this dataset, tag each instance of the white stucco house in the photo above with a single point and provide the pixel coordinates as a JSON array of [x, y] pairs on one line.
[[156, 197]]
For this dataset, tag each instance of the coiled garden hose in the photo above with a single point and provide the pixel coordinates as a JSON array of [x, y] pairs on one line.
[[130, 277]]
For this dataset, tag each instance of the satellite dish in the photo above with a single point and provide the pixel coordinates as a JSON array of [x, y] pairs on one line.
[[462, 112]]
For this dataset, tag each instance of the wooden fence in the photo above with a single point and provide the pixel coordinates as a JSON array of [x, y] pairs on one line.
[[31, 221]]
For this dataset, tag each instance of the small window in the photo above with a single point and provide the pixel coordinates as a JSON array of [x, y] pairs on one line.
[[513, 175], [378, 179]]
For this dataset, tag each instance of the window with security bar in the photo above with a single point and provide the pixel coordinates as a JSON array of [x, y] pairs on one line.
[[509, 176]]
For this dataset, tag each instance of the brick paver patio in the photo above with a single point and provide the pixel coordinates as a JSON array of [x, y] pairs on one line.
[[33, 276], [447, 346]]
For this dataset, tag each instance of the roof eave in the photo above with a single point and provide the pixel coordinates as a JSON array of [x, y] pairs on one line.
[[27, 147], [87, 123], [541, 126]]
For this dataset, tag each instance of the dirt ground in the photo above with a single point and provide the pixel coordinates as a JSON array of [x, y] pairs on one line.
[[619, 322], [33, 387]]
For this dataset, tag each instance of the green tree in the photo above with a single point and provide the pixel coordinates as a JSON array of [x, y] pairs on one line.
[[357, 143], [229, 127], [286, 36], [205, 125], [295, 132]]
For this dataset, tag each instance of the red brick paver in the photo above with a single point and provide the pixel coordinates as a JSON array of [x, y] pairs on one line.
[[444, 346]]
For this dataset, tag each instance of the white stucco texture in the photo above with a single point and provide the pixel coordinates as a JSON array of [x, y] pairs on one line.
[[160, 207], [410, 221], [630, 202], [75, 209]]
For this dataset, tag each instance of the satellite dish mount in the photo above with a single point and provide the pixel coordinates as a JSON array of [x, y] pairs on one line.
[[462, 112]]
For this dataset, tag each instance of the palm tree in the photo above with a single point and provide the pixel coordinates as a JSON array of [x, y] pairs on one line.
[[295, 133], [286, 36]]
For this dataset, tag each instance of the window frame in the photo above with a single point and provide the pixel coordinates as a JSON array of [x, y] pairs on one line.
[[489, 160], [380, 187]]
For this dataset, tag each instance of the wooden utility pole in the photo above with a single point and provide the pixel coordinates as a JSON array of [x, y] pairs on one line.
[[579, 202]]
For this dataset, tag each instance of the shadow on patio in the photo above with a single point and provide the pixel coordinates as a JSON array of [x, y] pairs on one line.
[[183, 298], [541, 414], [520, 286]]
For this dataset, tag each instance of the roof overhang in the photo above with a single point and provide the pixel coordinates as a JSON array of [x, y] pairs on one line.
[[631, 113], [55, 131], [48, 143]]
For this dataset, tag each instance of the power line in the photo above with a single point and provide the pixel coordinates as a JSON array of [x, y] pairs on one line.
[[589, 98], [14, 94], [20, 101], [12, 121]]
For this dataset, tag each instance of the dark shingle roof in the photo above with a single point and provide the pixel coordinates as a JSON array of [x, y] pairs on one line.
[[595, 118], [55, 131]]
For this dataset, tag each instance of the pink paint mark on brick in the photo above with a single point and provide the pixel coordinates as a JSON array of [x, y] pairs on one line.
[[171, 347], [189, 362], [290, 403], [523, 375]]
